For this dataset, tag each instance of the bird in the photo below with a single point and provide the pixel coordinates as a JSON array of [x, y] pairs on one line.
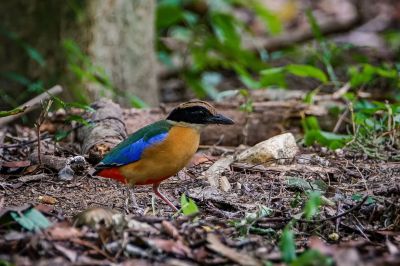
[[160, 150]]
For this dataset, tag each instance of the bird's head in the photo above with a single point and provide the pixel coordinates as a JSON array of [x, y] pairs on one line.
[[197, 113]]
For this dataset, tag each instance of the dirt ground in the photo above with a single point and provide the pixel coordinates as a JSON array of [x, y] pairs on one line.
[[345, 228]]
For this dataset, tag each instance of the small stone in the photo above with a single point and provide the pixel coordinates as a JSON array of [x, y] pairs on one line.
[[97, 217], [66, 174], [339, 153], [47, 200], [334, 236], [77, 163], [225, 185]]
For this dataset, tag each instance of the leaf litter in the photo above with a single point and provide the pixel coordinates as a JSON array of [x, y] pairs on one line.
[[89, 220]]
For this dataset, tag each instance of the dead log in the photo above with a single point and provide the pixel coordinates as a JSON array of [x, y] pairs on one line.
[[106, 131], [268, 118]]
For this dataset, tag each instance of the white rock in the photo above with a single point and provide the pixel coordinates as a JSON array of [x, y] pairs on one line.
[[224, 183], [278, 149], [215, 171]]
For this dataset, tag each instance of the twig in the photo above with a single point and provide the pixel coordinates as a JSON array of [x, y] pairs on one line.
[[339, 215], [283, 219], [32, 104], [39, 122], [340, 120]]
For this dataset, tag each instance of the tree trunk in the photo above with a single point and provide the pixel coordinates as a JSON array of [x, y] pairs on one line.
[[116, 35], [123, 43]]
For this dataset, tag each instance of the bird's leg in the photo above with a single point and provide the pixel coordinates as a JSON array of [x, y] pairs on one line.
[[161, 196], [132, 198]]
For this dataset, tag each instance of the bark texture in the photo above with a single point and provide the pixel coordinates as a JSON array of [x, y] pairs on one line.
[[123, 43], [117, 35]]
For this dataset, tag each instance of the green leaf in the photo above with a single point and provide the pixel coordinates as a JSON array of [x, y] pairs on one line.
[[273, 76], [83, 106], [272, 22], [12, 112], [287, 245], [312, 258], [78, 118], [31, 219], [34, 54], [309, 98], [312, 205], [168, 14], [5, 263], [310, 123], [188, 206], [61, 134], [136, 102], [246, 78], [307, 71], [17, 78], [209, 82], [316, 30], [305, 185], [224, 27]]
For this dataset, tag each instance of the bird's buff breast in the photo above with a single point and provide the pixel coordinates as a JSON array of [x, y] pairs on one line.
[[164, 159]]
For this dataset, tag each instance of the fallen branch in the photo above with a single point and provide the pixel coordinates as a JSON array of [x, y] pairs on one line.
[[30, 178], [32, 104], [106, 133], [328, 27], [50, 161]]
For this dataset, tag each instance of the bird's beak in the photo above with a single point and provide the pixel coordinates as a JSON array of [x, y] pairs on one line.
[[220, 119]]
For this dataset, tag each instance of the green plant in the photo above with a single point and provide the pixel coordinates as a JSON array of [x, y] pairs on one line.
[[314, 134], [287, 242], [87, 72], [377, 129], [247, 224], [210, 39], [188, 206], [12, 112], [277, 75], [30, 86]]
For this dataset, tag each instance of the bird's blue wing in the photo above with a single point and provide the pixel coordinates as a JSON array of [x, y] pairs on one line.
[[131, 149]]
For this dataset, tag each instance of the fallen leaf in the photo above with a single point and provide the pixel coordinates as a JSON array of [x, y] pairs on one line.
[[217, 246], [170, 246], [392, 248], [225, 185], [214, 172], [347, 257], [27, 217], [47, 200], [171, 230], [317, 244], [47, 209], [199, 158], [68, 253], [15, 164], [60, 232], [95, 217]]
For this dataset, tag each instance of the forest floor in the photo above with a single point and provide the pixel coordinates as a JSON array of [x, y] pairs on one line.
[[358, 221]]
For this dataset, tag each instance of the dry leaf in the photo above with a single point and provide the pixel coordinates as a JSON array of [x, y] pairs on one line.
[[217, 246], [58, 232], [47, 200]]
